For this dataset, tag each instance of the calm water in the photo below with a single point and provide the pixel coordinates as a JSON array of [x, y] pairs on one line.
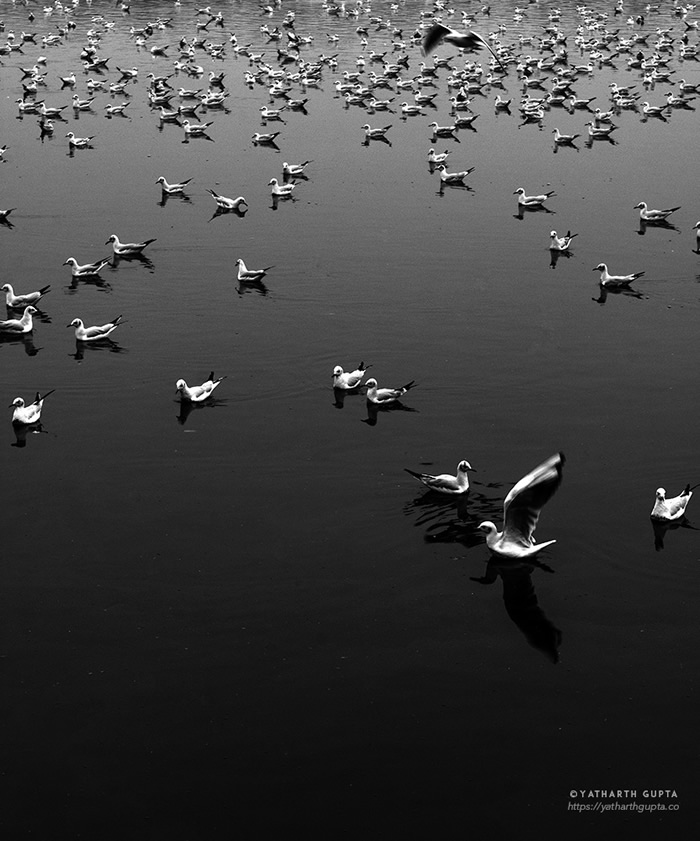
[[248, 621]]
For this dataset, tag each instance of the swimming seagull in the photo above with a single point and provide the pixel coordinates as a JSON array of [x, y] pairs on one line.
[[647, 215], [79, 142], [347, 380], [86, 269], [564, 139], [247, 275], [25, 415], [532, 201], [374, 133], [609, 280], [469, 41], [127, 249], [226, 203], [444, 482], [19, 325], [521, 511], [13, 301], [281, 191], [290, 170], [172, 188], [93, 334], [197, 393], [557, 243], [670, 509], [385, 396], [453, 177]]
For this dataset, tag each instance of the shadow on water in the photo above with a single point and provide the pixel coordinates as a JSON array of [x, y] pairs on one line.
[[661, 527]]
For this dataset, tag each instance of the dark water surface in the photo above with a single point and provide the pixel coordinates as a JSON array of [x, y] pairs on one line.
[[247, 620]]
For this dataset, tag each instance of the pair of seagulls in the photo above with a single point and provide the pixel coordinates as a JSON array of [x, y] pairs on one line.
[[379, 397], [521, 507]]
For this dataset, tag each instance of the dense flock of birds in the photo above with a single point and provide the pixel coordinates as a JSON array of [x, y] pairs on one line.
[[544, 65]]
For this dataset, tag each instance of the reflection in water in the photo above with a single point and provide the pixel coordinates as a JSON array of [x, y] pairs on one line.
[[555, 256], [373, 411], [660, 528], [251, 286], [106, 344], [521, 603], [187, 407], [133, 258], [91, 280], [663, 223], [21, 431], [605, 291], [26, 339], [222, 211]]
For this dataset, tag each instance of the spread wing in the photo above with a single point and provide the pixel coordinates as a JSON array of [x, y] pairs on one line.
[[522, 506]]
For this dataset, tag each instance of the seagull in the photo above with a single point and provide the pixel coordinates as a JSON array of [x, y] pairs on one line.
[[609, 280], [247, 275], [521, 510], [290, 170], [26, 415], [116, 109], [442, 131], [226, 203], [347, 380], [453, 177], [195, 129], [5, 213], [600, 130], [261, 137], [19, 325], [127, 249], [87, 269], [79, 142], [444, 482], [374, 133], [696, 228], [82, 104], [557, 243], [171, 188], [532, 201], [647, 215], [197, 393], [13, 301], [469, 41], [564, 139], [281, 190], [437, 157], [670, 509], [385, 396], [93, 334]]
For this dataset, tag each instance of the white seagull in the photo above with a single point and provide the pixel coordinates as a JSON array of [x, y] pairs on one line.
[[127, 249], [19, 325], [25, 415], [79, 142], [226, 203], [609, 280], [13, 301], [172, 188], [347, 380], [468, 41], [93, 334], [247, 275], [385, 396], [197, 393], [647, 215], [374, 133], [444, 482], [86, 269], [670, 509], [290, 170], [532, 201], [557, 243], [521, 511], [453, 177], [282, 191]]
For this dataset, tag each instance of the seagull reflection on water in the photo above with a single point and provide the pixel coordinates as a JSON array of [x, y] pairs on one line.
[[373, 411], [26, 339], [106, 344], [664, 224], [660, 528], [521, 602], [187, 407], [22, 430], [605, 291]]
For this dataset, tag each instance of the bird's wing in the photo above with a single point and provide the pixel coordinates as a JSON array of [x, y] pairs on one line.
[[433, 37], [522, 506]]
